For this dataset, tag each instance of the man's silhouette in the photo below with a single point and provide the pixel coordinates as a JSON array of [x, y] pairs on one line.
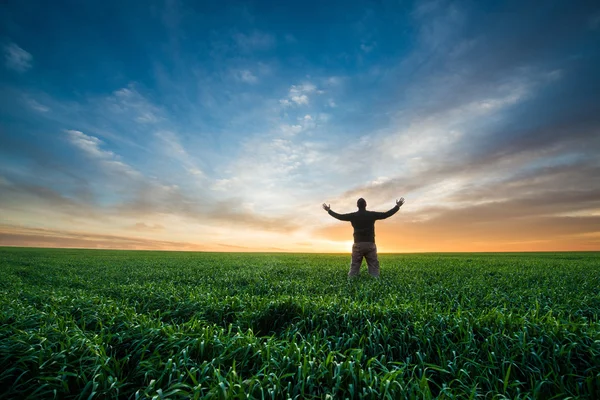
[[363, 222]]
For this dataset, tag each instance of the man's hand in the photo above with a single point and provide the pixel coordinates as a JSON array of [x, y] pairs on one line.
[[326, 207], [400, 202]]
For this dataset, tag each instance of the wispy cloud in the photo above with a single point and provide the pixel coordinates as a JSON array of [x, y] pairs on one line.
[[35, 105], [129, 101], [303, 123], [142, 226], [174, 149], [39, 237], [299, 95], [245, 75], [91, 146], [254, 41], [16, 58], [367, 47]]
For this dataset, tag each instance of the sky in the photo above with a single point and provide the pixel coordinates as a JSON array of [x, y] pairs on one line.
[[223, 126]]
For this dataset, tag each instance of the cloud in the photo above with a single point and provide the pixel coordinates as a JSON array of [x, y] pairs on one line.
[[517, 187], [139, 197], [444, 22], [245, 75], [305, 123], [421, 142], [11, 235], [367, 48], [221, 185], [129, 101], [303, 88], [287, 162], [290, 130], [16, 58], [142, 226], [298, 95], [35, 105], [32, 197], [299, 99], [157, 199], [455, 230], [549, 189], [90, 145], [98, 115], [458, 144], [120, 190], [174, 149], [333, 81], [544, 209], [255, 41], [280, 171], [229, 213]]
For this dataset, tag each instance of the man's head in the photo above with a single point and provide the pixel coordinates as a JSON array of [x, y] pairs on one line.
[[361, 204]]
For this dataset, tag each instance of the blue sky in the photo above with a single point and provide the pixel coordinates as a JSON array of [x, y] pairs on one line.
[[225, 125]]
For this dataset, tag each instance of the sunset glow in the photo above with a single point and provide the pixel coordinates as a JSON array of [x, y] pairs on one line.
[[187, 126]]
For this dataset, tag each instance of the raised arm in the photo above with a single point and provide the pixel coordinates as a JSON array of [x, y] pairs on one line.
[[341, 217], [387, 214]]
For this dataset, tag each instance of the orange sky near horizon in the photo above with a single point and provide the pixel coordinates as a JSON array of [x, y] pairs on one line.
[[401, 233]]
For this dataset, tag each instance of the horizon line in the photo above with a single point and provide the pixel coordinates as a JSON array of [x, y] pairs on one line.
[[291, 251]]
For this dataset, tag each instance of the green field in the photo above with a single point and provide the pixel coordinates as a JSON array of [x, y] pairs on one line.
[[108, 324]]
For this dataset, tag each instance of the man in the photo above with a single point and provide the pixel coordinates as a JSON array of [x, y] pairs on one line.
[[363, 222]]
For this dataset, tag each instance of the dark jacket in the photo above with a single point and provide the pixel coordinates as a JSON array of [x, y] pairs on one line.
[[363, 222]]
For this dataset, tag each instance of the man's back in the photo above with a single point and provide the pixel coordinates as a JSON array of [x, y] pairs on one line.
[[363, 222]]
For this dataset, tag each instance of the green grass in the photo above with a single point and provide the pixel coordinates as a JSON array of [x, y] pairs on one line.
[[108, 324]]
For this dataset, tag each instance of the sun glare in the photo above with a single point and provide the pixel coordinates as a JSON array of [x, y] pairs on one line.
[[348, 245]]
